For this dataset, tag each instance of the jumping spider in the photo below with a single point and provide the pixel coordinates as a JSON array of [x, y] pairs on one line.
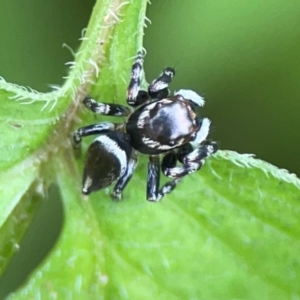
[[161, 124]]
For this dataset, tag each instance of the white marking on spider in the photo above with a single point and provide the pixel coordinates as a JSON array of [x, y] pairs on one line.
[[203, 132], [88, 182], [141, 121], [160, 85], [112, 147], [191, 95]]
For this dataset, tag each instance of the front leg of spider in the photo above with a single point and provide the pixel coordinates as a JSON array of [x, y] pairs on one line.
[[135, 96], [159, 87]]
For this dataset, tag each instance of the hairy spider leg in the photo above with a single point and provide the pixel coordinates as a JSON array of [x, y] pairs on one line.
[[159, 87], [123, 180], [154, 193], [153, 177], [99, 128], [193, 154], [135, 80], [192, 159], [108, 109]]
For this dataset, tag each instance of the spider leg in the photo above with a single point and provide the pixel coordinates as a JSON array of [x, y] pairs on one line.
[[141, 98], [159, 87], [154, 193], [124, 179], [192, 155], [153, 177], [192, 160], [135, 97], [108, 109], [99, 128]]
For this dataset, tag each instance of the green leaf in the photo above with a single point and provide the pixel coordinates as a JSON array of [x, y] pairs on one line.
[[228, 232], [231, 231]]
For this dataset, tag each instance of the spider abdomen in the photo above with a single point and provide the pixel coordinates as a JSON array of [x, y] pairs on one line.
[[107, 159]]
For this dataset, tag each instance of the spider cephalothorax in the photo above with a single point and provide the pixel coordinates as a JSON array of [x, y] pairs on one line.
[[161, 124]]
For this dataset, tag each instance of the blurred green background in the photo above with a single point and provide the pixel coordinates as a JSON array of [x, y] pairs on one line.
[[242, 56]]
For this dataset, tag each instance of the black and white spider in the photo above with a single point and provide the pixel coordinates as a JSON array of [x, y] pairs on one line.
[[161, 124]]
